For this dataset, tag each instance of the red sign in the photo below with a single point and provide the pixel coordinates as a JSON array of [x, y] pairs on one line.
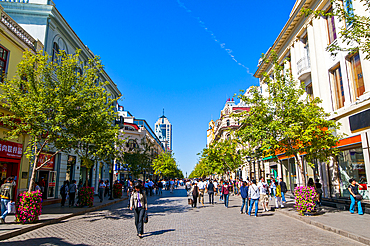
[[11, 150], [44, 157], [51, 184]]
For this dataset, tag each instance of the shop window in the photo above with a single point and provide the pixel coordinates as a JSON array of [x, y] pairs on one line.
[[352, 166], [356, 75], [337, 87], [3, 62], [71, 163], [331, 27]]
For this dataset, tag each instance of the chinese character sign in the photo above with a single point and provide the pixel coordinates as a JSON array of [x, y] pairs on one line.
[[11, 150]]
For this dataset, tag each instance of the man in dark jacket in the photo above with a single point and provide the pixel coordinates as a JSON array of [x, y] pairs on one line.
[[7, 195], [244, 195], [211, 192], [284, 189]]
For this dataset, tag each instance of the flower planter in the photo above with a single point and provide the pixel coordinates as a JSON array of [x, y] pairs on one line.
[[28, 207], [305, 200], [117, 190], [86, 196]]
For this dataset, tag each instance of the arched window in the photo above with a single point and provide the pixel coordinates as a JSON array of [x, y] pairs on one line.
[[228, 123], [55, 52]]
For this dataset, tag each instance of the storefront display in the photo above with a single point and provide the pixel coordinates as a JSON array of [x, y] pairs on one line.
[[351, 165], [10, 159], [46, 176]]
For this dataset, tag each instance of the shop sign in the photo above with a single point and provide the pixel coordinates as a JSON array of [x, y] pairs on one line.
[[44, 157], [52, 184], [11, 150]]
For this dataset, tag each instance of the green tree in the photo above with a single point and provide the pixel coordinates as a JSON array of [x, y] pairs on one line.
[[59, 105], [219, 158], [287, 121], [165, 165], [138, 157]]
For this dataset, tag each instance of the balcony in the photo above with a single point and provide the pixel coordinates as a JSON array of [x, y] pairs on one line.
[[303, 68]]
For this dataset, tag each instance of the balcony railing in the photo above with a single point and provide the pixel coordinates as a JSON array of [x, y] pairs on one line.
[[303, 67]]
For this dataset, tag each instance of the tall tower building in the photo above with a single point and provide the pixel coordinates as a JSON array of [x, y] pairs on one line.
[[163, 130]]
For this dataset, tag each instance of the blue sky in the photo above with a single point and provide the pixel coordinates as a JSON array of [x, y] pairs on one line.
[[162, 54]]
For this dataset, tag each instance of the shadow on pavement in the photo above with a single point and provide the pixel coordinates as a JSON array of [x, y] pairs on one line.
[[50, 241], [155, 233]]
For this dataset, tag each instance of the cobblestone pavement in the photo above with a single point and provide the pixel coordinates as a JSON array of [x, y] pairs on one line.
[[172, 222]]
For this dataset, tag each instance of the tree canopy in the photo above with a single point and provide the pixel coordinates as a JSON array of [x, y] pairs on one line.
[[165, 165], [61, 106]]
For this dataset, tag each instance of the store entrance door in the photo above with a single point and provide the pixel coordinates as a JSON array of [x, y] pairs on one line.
[[43, 179]]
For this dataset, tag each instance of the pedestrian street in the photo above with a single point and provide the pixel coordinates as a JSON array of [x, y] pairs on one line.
[[173, 222]]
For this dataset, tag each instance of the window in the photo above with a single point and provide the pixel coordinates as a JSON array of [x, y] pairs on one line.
[[55, 51], [349, 9], [331, 27], [309, 91], [3, 62], [228, 122], [337, 81], [356, 74]]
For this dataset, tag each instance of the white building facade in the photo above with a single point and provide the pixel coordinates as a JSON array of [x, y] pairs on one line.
[[341, 81]]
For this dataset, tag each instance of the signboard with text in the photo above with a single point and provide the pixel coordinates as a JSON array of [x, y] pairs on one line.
[[44, 157], [11, 150]]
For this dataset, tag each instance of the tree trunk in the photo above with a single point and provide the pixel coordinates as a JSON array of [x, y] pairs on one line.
[[299, 162], [33, 176]]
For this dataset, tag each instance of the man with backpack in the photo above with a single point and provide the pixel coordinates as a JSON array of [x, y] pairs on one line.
[[64, 192], [7, 195]]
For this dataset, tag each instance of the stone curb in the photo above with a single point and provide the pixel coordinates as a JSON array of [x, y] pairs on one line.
[[18, 232], [341, 232]]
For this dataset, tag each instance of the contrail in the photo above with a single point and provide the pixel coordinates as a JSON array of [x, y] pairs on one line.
[[222, 45]]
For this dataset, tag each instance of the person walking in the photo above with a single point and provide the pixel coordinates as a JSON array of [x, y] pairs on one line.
[[253, 196], [138, 203], [355, 197], [130, 189], [278, 196], [263, 188], [72, 193], [211, 192], [195, 193], [101, 189], [284, 189], [160, 187], [202, 188], [220, 190], [7, 195], [64, 193], [318, 188], [225, 192], [244, 196], [106, 191]]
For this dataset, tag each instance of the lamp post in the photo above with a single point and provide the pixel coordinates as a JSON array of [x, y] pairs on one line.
[[250, 168]]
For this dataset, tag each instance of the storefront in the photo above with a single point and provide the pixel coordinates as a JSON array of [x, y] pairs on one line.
[[351, 165], [46, 176], [10, 160]]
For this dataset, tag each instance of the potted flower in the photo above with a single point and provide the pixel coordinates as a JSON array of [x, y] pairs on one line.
[[28, 207], [305, 200], [117, 190], [86, 196]]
